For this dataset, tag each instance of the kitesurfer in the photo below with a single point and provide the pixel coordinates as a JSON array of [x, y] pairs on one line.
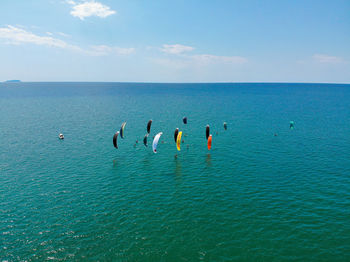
[[149, 126], [291, 124], [122, 130], [176, 133], [155, 142], [145, 140], [115, 141], [207, 131]]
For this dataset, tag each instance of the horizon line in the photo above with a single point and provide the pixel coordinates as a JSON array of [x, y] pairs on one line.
[[150, 82]]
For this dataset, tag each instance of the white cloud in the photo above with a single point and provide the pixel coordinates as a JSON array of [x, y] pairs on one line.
[[176, 49], [90, 8], [327, 59], [16, 36]]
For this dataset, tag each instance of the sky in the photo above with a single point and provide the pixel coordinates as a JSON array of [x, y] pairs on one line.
[[175, 41]]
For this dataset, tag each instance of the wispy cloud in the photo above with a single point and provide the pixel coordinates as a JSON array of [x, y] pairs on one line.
[[105, 50], [16, 36], [90, 8], [209, 59], [63, 34], [199, 61], [172, 63], [181, 57], [327, 59], [176, 49]]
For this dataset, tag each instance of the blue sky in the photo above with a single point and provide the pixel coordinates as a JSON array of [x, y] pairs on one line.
[[175, 41]]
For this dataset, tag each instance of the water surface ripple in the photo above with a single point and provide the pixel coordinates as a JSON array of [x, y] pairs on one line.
[[253, 197]]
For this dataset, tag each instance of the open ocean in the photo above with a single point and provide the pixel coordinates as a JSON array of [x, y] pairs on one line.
[[253, 197]]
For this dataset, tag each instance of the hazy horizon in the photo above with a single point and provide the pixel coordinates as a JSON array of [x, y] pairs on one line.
[[144, 82]]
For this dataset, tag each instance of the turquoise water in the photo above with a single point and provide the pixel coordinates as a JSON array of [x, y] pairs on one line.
[[253, 197]]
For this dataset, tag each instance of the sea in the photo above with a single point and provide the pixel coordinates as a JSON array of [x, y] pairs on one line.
[[264, 192]]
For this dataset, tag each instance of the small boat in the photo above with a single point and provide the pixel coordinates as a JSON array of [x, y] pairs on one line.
[[61, 136]]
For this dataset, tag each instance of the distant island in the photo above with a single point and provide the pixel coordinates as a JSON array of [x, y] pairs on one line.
[[12, 81]]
